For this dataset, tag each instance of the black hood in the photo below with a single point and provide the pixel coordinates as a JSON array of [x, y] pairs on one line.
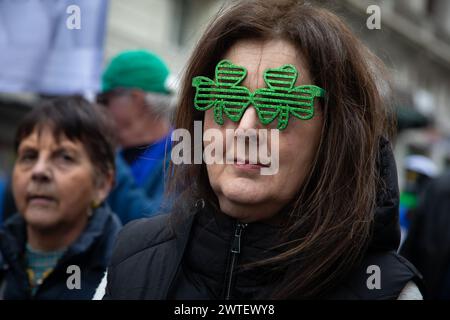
[[386, 228]]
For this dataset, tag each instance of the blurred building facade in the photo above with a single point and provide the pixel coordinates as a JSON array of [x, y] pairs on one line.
[[169, 28], [414, 42]]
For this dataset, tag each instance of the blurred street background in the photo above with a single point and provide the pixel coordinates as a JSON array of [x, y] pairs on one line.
[[35, 44]]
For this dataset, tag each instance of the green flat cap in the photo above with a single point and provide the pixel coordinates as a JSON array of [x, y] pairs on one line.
[[137, 69]]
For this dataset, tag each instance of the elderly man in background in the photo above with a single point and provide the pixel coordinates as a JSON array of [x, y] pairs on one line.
[[136, 93]]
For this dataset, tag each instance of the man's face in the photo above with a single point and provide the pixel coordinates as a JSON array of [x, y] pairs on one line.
[[128, 113]]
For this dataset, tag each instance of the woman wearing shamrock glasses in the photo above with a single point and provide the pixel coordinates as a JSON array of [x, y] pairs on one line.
[[324, 226]]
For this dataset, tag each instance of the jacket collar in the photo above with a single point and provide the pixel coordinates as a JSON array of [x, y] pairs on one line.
[[204, 223], [13, 237]]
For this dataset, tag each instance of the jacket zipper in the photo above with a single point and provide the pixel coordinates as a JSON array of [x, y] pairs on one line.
[[235, 250]]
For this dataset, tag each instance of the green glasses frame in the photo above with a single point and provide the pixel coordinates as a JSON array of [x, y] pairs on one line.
[[280, 99]]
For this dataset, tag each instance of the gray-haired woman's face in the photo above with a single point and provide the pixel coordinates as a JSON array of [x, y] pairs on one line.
[[242, 191]]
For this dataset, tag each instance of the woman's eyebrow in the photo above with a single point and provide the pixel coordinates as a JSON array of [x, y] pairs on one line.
[[26, 146], [65, 145]]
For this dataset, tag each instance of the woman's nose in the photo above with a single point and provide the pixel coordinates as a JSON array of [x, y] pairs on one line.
[[41, 170], [249, 119]]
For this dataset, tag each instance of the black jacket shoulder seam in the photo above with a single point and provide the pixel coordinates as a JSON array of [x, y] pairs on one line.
[[143, 249]]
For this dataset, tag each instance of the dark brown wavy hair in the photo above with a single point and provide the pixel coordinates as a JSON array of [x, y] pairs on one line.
[[329, 224]]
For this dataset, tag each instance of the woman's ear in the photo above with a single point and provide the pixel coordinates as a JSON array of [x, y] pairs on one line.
[[103, 185]]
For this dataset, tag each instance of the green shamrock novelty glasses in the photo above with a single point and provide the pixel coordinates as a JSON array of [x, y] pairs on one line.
[[280, 99]]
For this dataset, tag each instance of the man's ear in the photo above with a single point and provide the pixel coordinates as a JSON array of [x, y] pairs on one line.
[[103, 186]]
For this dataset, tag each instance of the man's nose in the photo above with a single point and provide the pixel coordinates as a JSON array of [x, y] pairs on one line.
[[41, 170]]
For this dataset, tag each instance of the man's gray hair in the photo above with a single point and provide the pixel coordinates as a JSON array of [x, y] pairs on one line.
[[162, 105]]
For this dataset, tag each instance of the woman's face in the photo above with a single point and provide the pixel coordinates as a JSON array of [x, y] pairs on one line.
[[242, 191], [53, 182]]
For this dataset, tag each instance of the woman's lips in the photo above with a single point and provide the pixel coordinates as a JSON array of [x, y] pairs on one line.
[[41, 200], [246, 165]]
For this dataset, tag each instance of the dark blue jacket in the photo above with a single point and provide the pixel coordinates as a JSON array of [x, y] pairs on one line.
[[130, 201], [91, 252]]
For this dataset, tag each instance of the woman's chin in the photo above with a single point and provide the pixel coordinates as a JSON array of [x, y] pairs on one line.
[[243, 191], [40, 218]]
